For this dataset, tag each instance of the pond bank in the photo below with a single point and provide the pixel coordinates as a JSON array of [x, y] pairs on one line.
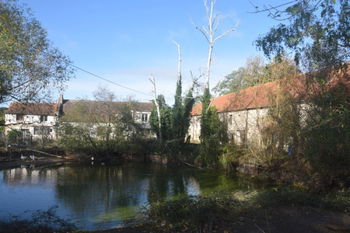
[[271, 211], [232, 205], [272, 220]]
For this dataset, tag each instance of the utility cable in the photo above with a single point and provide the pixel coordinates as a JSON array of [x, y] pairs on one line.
[[110, 81]]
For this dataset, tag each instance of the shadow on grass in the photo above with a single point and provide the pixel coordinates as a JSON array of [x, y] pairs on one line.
[[274, 210], [38, 222]]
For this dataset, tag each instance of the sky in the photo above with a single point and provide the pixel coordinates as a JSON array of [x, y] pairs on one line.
[[127, 41]]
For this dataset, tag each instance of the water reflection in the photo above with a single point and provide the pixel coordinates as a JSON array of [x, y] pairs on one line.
[[102, 196]]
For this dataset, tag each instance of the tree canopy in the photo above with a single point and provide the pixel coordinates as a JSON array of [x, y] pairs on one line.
[[316, 32], [29, 65], [256, 72]]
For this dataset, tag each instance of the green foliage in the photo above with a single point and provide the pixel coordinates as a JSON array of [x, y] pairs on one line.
[[100, 128], [2, 120], [317, 32], [188, 104], [282, 125], [327, 133], [230, 156], [198, 214], [181, 112], [256, 72], [213, 134], [178, 112], [30, 66], [81, 139], [166, 119], [175, 120], [13, 136]]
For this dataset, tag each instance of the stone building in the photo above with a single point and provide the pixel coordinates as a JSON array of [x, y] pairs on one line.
[[245, 111]]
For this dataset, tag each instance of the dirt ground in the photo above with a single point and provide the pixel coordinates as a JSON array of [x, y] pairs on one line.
[[280, 220]]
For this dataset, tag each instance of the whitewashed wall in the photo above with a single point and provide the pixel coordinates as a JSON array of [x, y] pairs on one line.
[[246, 122], [29, 123]]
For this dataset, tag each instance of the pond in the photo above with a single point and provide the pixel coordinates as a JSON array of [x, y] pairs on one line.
[[102, 196]]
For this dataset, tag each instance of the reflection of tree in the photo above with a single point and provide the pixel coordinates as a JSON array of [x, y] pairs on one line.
[[92, 190], [168, 182]]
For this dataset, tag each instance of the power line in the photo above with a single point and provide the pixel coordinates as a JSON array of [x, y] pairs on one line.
[[110, 81]]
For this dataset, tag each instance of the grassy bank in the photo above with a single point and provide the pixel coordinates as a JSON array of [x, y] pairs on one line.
[[274, 210]]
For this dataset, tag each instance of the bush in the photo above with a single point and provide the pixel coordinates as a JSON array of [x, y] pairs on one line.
[[200, 214], [230, 156], [327, 135], [13, 136]]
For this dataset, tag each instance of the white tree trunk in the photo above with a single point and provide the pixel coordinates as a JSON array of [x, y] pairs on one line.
[[209, 31], [153, 81], [179, 60]]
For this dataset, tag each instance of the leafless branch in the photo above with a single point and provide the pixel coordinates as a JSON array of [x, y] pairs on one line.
[[268, 9], [208, 31], [225, 33]]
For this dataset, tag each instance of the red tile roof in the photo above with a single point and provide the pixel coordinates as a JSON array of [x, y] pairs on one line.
[[260, 96], [32, 109]]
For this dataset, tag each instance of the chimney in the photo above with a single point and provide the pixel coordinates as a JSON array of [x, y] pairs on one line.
[[60, 105], [60, 99]]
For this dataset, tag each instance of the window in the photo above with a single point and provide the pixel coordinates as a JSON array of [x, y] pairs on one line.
[[144, 117], [42, 130], [230, 119], [19, 117], [232, 138], [43, 118]]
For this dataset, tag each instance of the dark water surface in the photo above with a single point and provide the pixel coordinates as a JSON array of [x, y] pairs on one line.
[[97, 197]]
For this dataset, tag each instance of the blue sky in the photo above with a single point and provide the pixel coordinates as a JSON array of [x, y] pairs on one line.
[[126, 41]]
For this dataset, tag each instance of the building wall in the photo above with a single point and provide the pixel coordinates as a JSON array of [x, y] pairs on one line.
[[242, 126], [32, 124], [142, 118], [30, 119]]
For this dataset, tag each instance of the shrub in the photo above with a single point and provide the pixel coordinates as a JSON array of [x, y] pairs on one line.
[[230, 156], [200, 214]]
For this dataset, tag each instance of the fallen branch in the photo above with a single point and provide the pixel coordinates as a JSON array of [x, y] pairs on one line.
[[44, 153]]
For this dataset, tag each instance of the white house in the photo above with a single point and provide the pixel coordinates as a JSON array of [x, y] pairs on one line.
[[38, 120], [32, 119]]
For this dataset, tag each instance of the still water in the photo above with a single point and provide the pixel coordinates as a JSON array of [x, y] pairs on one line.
[[98, 197]]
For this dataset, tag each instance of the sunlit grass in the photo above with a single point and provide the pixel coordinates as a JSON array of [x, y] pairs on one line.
[[120, 213]]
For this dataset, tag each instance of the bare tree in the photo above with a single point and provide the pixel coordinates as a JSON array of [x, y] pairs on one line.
[[153, 81], [209, 32], [179, 60]]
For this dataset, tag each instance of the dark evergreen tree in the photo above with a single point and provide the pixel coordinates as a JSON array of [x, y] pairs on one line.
[[166, 119], [213, 134], [187, 108], [178, 111]]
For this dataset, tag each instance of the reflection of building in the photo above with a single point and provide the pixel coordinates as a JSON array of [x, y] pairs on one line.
[[28, 176], [38, 120]]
